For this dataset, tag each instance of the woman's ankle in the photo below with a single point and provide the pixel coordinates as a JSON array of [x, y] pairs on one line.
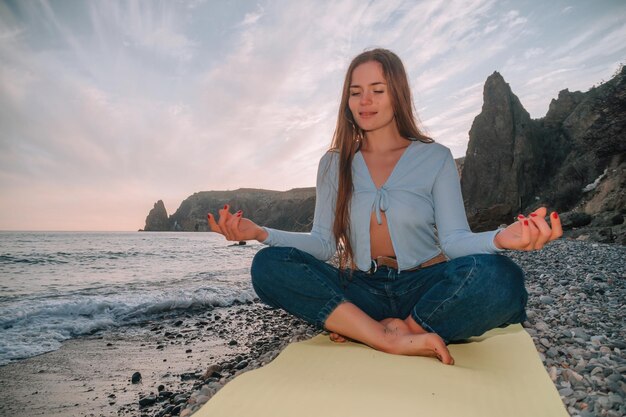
[[414, 327]]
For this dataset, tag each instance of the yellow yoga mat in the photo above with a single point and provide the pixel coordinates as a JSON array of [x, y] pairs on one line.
[[498, 374]]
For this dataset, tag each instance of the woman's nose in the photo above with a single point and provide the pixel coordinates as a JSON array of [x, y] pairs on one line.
[[366, 97]]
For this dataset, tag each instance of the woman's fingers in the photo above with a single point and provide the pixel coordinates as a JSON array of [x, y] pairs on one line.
[[227, 225], [224, 217], [557, 229], [213, 225], [530, 233], [233, 226], [525, 238], [534, 234], [543, 229]]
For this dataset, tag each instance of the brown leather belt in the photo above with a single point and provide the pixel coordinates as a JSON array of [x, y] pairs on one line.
[[393, 263]]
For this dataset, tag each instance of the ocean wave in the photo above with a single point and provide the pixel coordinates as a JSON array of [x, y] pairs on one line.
[[31, 260], [33, 327]]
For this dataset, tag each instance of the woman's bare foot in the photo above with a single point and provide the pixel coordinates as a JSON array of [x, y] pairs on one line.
[[390, 335], [402, 331], [405, 341]]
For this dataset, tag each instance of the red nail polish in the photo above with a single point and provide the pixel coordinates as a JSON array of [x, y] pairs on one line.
[[239, 213], [533, 215], [209, 215], [555, 215], [519, 216], [525, 222], [225, 206]]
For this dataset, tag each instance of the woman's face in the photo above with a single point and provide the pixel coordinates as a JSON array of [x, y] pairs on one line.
[[369, 100]]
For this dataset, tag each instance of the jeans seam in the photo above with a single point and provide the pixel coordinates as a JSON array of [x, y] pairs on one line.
[[467, 277]]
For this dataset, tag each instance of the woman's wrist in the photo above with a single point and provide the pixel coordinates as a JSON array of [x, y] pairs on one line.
[[496, 240], [261, 235]]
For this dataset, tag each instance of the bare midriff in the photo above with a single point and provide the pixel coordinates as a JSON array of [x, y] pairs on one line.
[[380, 240]]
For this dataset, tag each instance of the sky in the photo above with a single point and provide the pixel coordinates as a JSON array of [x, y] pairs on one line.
[[108, 106]]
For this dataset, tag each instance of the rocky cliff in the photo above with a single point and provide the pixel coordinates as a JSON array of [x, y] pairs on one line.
[[287, 210], [571, 160]]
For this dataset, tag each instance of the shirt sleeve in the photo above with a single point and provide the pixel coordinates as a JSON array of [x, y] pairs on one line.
[[320, 242], [455, 236]]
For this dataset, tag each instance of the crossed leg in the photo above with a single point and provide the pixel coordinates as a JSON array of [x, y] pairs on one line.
[[390, 335], [392, 324]]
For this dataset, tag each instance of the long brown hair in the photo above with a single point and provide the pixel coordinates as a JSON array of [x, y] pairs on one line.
[[347, 138]]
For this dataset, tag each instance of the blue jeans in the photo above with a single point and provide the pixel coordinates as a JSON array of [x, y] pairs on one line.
[[457, 299]]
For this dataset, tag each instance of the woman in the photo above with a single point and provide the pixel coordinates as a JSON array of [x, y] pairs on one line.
[[412, 277]]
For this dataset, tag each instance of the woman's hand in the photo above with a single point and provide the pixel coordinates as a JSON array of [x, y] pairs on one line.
[[235, 227], [530, 233]]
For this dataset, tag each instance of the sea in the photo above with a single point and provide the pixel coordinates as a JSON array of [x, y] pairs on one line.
[[60, 285]]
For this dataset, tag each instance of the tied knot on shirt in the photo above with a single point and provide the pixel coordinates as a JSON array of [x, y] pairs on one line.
[[381, 203]]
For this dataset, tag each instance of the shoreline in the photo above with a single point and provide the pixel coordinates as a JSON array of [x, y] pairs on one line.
[[91, 375], [575, 318]]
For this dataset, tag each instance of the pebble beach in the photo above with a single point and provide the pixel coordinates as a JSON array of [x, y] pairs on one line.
[[172, 365]]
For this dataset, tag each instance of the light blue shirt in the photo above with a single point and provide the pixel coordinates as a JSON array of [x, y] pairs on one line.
[[421, 200]]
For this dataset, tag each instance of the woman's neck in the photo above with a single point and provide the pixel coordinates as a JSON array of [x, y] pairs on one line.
[[384, 139]]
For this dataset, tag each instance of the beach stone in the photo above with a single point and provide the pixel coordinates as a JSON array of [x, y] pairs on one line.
[[201, 399], [546, 299], [211, 370], [146, 401], [552, 373], [596, 370], [165, 394], [579, 395], [580, 333], [566, 392], [180, 398], [232, 343], [186, 412], [135, 378], [188, 375], [596, 340], [241, 364], [616, 399], [605, 402]]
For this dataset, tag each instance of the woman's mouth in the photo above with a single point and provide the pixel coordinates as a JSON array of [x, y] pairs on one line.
[[367, 114]]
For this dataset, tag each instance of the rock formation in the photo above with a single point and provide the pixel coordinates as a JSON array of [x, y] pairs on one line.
[[157, 220], [287, 210], [572, 159], [503, 154]]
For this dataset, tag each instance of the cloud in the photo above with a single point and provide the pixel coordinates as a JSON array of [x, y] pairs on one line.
[[116, 104]]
